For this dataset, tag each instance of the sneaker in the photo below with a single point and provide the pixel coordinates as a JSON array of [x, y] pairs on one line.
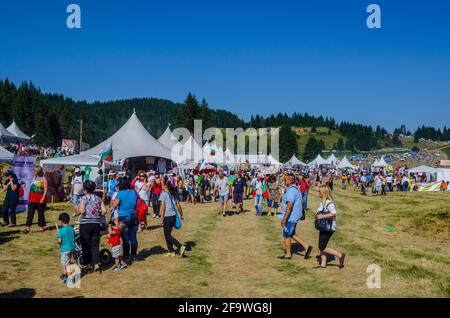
[[122, 265], [13, 225], [154, 216], [169, 254], [182, 250]]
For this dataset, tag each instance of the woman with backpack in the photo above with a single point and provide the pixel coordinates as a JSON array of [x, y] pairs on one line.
[[326, 225], [92, 211], [170, 210]]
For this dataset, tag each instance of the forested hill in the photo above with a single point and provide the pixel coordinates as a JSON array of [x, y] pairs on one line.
[[53, 117]]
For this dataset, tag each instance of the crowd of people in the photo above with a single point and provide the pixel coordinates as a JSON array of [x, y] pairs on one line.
[[120, 204], [35, 150]]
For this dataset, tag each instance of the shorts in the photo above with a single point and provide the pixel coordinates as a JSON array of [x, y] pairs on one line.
[[289, 229], [223, 198], [272, 204], [238, 198], [190, 190], [76, 199], [324, 238], [65, 258], [116, 251]]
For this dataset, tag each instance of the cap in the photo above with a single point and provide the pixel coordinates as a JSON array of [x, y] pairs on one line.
[[77, 170]]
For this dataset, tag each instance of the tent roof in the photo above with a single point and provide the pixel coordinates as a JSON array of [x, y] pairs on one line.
[[5, 134], [318, 161], [332, 160], [273, 161], [15, 130], [76, 160], [132, 140], [423, 169], [380, 163], [345, 164], [294, 161], [5, 155], [168, 139], [192, 150]]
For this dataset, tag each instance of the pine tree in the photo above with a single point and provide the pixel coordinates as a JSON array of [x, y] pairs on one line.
[[190, 112], [288, 143]]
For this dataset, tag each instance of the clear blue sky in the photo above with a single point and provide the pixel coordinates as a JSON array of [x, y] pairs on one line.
[[249, 57]]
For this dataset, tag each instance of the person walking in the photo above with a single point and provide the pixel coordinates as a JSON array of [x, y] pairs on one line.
[[222, 186], [238, 189], [292, 212], [258, 185], [11, 199], [275, 193], [305, 184], [37, 201], [92, 211], [169, 208], [327, 213], [156, 189], [125, 203]]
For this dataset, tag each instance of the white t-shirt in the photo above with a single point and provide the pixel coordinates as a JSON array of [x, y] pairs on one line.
[[223, 186], [77, 185], [331, 208], [140, 189]]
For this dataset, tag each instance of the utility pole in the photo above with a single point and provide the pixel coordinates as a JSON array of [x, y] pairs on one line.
[[81, 134]]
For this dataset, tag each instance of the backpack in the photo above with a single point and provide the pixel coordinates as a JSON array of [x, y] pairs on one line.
[[324, 224]]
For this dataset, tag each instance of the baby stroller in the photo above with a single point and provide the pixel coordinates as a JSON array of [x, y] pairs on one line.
[[105, 254]]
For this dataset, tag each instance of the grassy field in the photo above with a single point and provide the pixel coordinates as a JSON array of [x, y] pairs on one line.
[[236, 256]]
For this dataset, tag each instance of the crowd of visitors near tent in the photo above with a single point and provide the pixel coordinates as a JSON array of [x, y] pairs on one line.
[[120, 206], [35, 150]]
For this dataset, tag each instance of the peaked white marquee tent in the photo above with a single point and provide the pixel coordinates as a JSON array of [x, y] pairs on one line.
[[294, 161], [423, 169], [5, 155], [317, 161], [5, 135], [332, 160], [168, 139], [132, 140], [19, 134], [345, 164]]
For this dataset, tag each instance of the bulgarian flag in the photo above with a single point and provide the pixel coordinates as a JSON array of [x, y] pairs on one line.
[[106, 154], [201, 165]]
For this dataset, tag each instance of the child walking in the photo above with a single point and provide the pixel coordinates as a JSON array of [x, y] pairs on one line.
[[114, 235], [66, 241]]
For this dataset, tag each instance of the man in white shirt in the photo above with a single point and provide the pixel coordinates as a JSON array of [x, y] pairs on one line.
[[222, 186]]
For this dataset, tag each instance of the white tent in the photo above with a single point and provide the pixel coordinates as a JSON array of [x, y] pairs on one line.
[[380, 163], [443, 174], [207, 148], [5, 135], [5, 155], [317, 161], [192, 150], [19, 134], [345, 164], [132, 140], [423, 169], [273, 162], [168, 139], [76, 160], [332, 160], [294, 161]]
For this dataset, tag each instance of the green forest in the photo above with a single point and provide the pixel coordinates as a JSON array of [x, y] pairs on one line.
[[52, 117]]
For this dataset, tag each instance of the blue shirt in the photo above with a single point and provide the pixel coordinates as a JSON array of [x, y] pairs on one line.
[[112, 187], [10, 194], [67, 236], [293, 195], [127, 205]]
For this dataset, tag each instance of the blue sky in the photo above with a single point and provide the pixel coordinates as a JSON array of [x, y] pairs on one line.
[[249, 57]]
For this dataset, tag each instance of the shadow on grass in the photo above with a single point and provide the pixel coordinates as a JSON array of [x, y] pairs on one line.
[[145, 253], [20, 293], [8, 236]]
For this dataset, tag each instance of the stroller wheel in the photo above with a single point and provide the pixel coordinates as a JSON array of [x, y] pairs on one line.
[[105, 257]]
